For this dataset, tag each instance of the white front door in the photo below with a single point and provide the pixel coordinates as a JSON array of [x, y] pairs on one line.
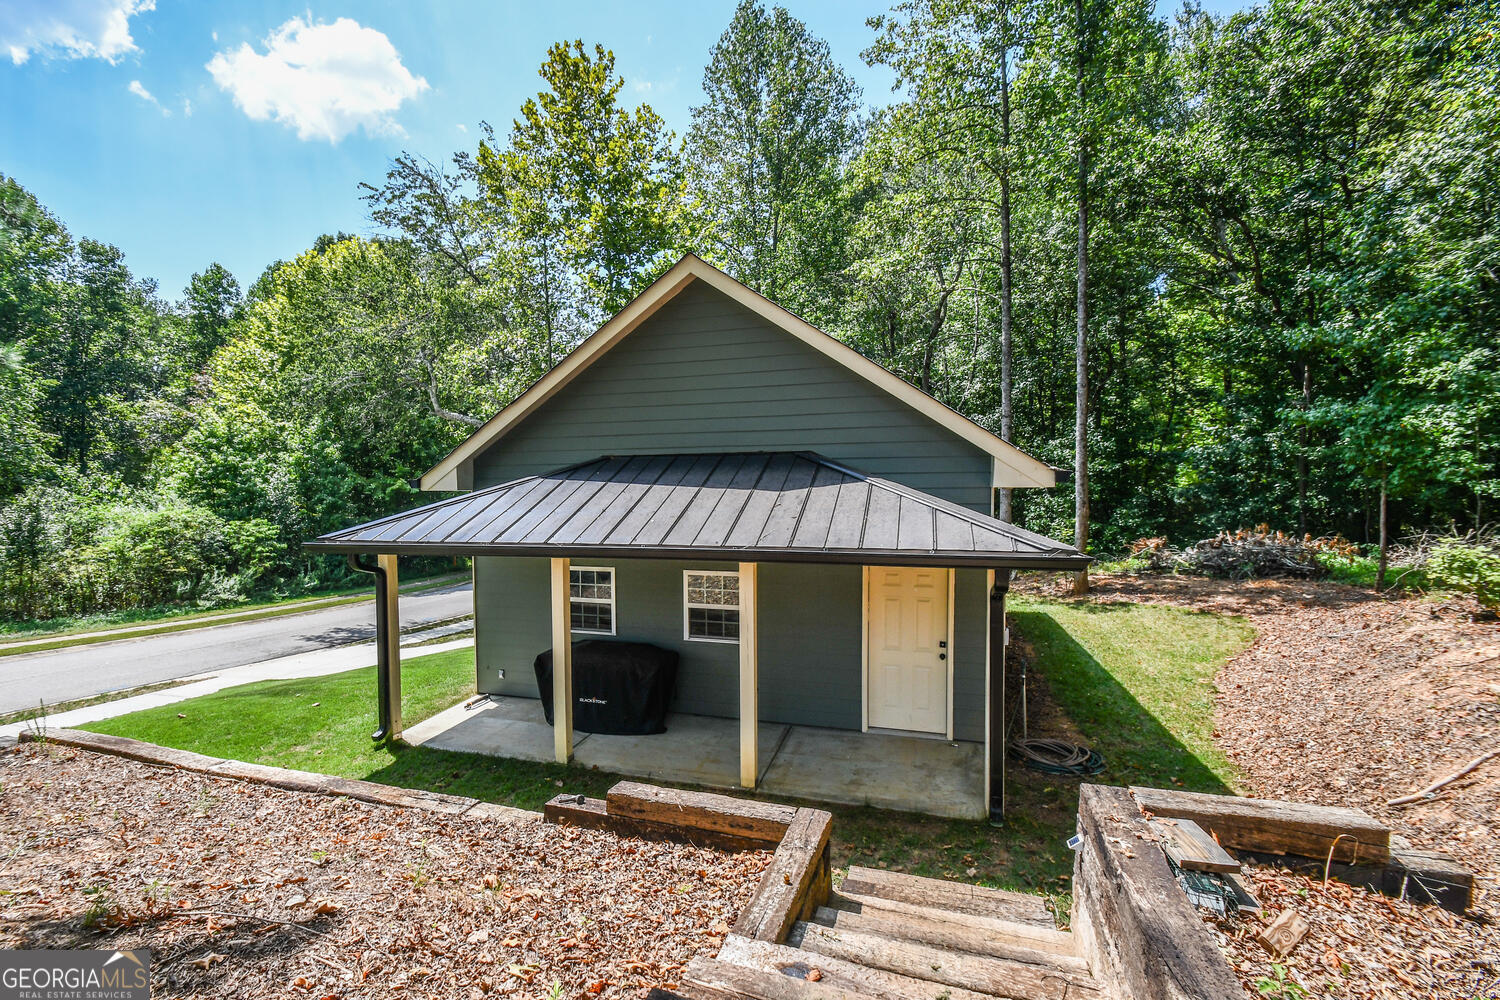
[[908, 649]]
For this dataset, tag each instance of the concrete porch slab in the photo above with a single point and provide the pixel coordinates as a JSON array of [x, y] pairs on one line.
[[695, 750], [501, 727], [880, 769], [884, 770]]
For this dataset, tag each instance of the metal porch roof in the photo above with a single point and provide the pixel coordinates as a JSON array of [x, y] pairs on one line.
[[751, 506]]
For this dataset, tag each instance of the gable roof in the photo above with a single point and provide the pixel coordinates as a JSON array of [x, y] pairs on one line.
[[1012, 467], [771, 506]]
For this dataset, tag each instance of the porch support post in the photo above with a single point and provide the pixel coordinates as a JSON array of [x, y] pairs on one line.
[[994, 745], [749, 676], [390, 663], [562, 664]]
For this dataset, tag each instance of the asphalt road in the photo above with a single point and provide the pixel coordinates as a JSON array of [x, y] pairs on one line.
[[60, 675]]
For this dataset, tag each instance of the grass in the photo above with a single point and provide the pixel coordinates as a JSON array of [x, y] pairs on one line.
[[162, 621], [1133, 680], [324, 724], [1137, 682]]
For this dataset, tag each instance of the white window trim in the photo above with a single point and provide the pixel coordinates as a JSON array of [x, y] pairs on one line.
[[614, 589], [686, 605]]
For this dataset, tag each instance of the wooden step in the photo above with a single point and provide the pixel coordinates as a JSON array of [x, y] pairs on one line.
[[712, 979], [783, 960], [939, 894], [1041, 937], [997, 977], [1009, 940]]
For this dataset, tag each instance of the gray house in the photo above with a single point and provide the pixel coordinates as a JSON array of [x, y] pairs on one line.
[[709, 474]]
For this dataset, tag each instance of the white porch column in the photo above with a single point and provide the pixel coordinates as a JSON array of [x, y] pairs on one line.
[[392, 640], [562, 664], [749, 677]]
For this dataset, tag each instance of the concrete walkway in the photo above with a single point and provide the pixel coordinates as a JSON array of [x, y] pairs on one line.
[[827, 765], [314, 664]]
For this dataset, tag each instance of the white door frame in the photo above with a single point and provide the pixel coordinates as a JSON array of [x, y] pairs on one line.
[[864, 652]]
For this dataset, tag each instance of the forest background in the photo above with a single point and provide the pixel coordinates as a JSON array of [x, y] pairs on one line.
[[1229, 270]]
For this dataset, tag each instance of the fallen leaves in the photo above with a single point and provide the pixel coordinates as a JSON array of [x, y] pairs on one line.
[[274, 892], [1349, 942]]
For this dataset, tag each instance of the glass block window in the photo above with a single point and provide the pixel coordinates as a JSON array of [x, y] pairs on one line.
[[711, 606], [591, 599]]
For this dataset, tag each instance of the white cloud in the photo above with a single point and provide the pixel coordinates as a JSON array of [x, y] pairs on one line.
[[74, 29], [139, 90], [324, 80], [462, 127], [187, 108]]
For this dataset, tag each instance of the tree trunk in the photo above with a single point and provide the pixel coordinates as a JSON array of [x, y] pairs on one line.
[[1385, 540], [1007, 405], [1302, 450], [1081, 403]]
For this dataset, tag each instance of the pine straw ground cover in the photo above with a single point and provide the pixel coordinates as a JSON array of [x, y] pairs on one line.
[[241, 890]]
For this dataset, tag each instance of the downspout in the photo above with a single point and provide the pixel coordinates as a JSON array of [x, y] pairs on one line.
[[998, 734], [382, 648]]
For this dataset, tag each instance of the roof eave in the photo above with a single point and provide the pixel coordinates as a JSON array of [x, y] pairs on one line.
[[1061, 561]]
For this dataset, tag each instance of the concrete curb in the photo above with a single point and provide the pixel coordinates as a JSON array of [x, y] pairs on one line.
[[283, 778]]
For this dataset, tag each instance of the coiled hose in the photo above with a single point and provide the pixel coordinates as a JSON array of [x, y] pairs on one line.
[[1057, 757]]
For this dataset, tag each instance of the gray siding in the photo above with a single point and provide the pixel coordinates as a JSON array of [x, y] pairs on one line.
[[707, 375], [971, 611], [810, 642]]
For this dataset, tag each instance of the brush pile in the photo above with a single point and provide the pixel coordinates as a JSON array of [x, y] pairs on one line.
[[1243, 555]]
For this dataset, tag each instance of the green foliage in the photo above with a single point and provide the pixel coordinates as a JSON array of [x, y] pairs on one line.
[[1292, 289], [766, 157], [64, 551], [1470, 568], [587, 180]]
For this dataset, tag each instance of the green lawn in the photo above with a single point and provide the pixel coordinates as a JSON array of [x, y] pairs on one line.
[[324, 724], [1133, 680]]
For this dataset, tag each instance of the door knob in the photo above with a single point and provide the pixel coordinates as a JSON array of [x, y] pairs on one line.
[[942, 656]]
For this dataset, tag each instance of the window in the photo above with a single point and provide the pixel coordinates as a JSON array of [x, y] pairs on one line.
[[711, 606], [591, 599]]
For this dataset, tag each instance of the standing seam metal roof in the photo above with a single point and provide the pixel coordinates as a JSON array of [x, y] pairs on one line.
[[775, 506]]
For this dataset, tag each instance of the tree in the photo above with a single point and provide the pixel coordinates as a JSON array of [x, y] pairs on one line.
[[210, 304], [914, 250], [588, 180], [767, 151], [957, 58], [97, 351]]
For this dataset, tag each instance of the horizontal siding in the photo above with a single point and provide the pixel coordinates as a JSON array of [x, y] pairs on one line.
[[810, 642], [810, 659], [707, 375], [971, 610]]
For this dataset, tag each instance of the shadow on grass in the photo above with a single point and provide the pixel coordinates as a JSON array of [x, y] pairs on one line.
[[1138, 749]]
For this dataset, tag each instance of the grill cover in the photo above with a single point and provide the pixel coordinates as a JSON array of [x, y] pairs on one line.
[[619, 688]]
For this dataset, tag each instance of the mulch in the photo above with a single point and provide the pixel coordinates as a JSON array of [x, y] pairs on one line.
[[1358, 944], [242, 890], [1346, 698]]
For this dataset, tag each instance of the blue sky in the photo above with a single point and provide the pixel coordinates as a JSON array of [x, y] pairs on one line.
[[186, 133]]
